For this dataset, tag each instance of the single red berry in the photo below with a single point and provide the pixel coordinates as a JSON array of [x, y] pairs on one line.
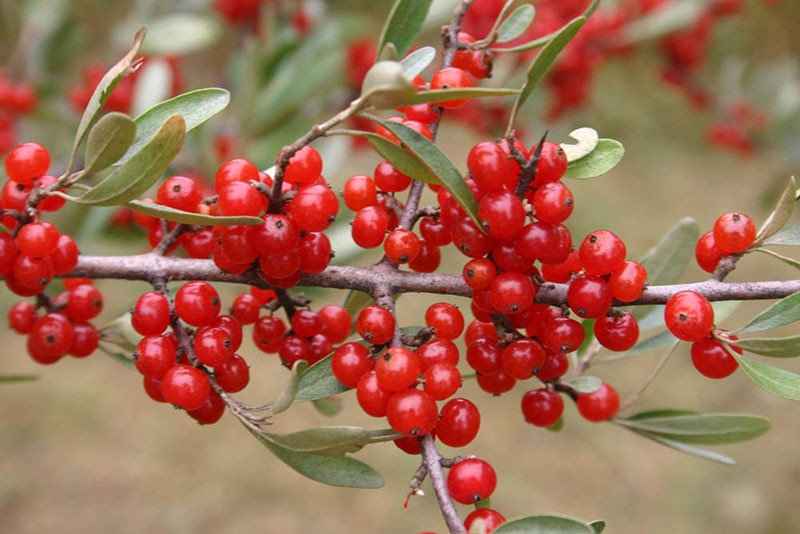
[[389, 179], [707, 253], [235, 170], [601, 252], [375, 325], [470, 240], [246, 308], [555, 366], [402, 246], [522, 358], [512, 292], [240, 198], [84, 340], [372, 399], [305, 166], [542, 407], [451, 78], [233, 375], [412, 412], [154, 355], [359, 192], [65, 256], [232, 326], [553, 202], [152, 386], [589, 296], [31, 273], [446, 320], [434, 231], [336, 322], [479, 329], [314, 208], [734, 232], [185, 386], [617, 332], [711, 358], [491, 519], [459, 422], [180, 193], [552, 164], [479, 273], [439, 350], [471, 480], [441, 381], [563, 334], [627, 281], [561, 273], [84, 303], [484, 356], [26, 162], [501, 214], [349, 363], [21, 317], [496, 384], [267, 332], [369, 227], [397, 369], [689, 316], [292, 349], [490, 167], [37, 239], [213, 346], [600, 405], [538, 240], [150, 315], [210, 412], [51, 336], [197, 303]]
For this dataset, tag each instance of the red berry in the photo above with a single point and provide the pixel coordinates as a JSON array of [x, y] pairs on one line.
[[185, 386], [555, 366], [372, 399], [240, 198], [305, 166], [155, 355], [233, 375], [428, 259], [501, 214], [600, 405], [490, 167], [491, 519], [375, 325], [314, 208], [37, 239], [479, 273], [179, 192], [512, 292], [210, 412], [563, 334], [21, 317], [734, 232], [553, 202], [689, 316], [65, 256], [396, 369], [197, 303], [542, 407], [441, 380], [711, 359], [152, 386], [389, 179], [26, 162], [438, 350], [601, 252], [402, 246], [445, 319], [359, 192], [306, 323], [451, 78], [627, 281], [459, 422], [496, 384], [412, 412], [336, 323], [617, 332], [213, 346], [552, 164], [51, 337], [235, 170], [707, 253], [369, 227], [84, 341], [246, 308], [150, 314], [522, 358], [471, 480], [85, 302], [349, 363], [589, 296]]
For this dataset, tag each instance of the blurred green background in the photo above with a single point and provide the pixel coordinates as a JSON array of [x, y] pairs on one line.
[[82, 449]]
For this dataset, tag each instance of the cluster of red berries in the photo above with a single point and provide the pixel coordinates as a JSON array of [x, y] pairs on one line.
[[733, 233], [289, 243], [16, 99], [736, 128]]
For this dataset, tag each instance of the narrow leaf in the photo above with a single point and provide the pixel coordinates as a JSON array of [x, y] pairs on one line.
[[185, 217], [103, 91], [544, 524], [325, 440], [662, 412], [133, 178], [417, 61], [780, 215], [783, 312], [666, 261], [689, 449], [587, 140], [196, 107], [332, 470], [544, 61], [702, 429], [12, 379], [787, 236], [404, 162], [545, 39], [181, 33], [777, 381], [318, 382], [404, 24], [516, 23], [108, 140], [776, 347], [433, 158], [287, 396], [327, 407], [585, 384], [599, 161]]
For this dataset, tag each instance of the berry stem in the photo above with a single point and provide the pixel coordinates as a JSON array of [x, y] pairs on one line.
[[431, 459]]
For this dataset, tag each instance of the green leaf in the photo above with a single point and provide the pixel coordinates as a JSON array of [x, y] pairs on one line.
[[701, 429], [783, 312], [780, 215], [287, 396], [10, 27], [598, 526], [777, 381], [318, 382], [108, 140], [516, 23], [332, 470], [433, 158], [397, 156], [585, 384], [587, 140], [787, 236], [544, 524], [445, 95], [181, 33], [544, 60], [661, 412], [135, 176], [403, 25], [327, 407], [103, 91], [324, 440], [689, 449], [13, 379], [666, 261], [776, 347], [598, 162], [196, 107], [542, 41], [185, 217], [417, 61]]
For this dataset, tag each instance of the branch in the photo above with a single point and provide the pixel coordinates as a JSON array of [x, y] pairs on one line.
[[431, 459]]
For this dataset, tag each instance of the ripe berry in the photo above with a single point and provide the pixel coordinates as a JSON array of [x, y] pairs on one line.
[[26, 162], [150, 315], [210, 412], [428, 259], [294, 348], [552, 164], [479, 273], [491, 519], [240, 198], [314, 208], [402, 246], [375, 325], [484, 356], [601, 252], [359, 192], [65, 256], [434, 231], [553, 202], [600, 405], [306, 323], [542, 407], [522, 358], [235, 170], [305, 166], [389, 179], [470, 240], [349, 363], [501, 214], [711, 359], [438, 350], [50, 337], [539, 240], [279, 234], [734, 232], [21, 317], [451, 78], [396, 369], [197, 303], [617, 332], [32, 273], [152, 386], [213, 346], [471, 480], [555, 366], [589, 296], [445, 319], [496, 384], [459, 422], [627, 281], [369, 227], [412, 412], [372, 399], [85, 302], [233, 375], [707, 253], [246, 308], [37, 239], [155, 355], [512, 292], [689, 316], [179, 192], [441, 381], [489, 166], [563, 334], [84, 340], [336, 323], [185, 386]]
